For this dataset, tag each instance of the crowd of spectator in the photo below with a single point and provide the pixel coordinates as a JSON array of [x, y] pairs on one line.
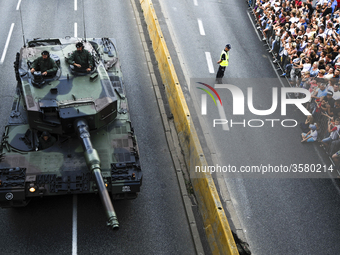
[[304, 40]]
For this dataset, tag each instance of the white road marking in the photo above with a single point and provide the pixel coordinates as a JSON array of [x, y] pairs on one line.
[[223, 117], [195, 3], [251, 21], [209, 61], [204, 104], [200, 26], [18, 5], [74, 226], [220, 108], [7, 43], [75, 5], [75, 29]]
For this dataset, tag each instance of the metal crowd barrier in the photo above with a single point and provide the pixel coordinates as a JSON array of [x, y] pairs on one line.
[[280, 63]]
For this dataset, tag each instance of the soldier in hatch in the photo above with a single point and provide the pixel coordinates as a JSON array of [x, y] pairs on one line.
[[81, 59], [46, 140], [45, 64]]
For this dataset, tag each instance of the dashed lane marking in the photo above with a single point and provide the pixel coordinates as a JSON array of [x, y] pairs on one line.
[[209, 61], [200, 26], [75, 29], [18, 5], [221, 112], [7, 43]]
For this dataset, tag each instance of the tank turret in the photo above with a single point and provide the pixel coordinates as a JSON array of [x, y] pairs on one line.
[[69, 131]]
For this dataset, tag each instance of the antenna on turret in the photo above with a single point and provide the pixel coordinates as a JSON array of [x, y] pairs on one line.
[[22, 27], [84, 21]]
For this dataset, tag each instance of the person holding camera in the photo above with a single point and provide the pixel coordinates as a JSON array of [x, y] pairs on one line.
[[328, 9], [306, 65], [329, 29]]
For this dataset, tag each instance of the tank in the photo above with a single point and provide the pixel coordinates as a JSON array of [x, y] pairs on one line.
[[69, 132]]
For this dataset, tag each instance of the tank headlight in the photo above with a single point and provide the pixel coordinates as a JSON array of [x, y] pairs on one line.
[[32, 188], [105, 184]]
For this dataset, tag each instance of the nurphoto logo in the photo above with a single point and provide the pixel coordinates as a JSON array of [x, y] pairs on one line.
[[238, 105]]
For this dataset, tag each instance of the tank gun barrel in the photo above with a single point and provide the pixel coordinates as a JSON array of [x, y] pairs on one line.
[[93, 164]]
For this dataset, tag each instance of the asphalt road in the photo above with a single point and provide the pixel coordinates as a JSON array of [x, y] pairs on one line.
[[155, 222], [279, 214]]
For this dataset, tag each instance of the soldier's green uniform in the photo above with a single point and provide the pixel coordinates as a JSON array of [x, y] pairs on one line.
[[84, 58], [44, 144], [45, 65]]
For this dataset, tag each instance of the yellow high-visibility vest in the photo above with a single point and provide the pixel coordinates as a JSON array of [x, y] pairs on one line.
[[226, 61]]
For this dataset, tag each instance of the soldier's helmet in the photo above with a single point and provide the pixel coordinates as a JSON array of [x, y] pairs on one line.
[[45, 133], [45, 52], [79, 45]]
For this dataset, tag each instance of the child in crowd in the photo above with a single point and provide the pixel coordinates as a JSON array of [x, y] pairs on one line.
[[311, 136]]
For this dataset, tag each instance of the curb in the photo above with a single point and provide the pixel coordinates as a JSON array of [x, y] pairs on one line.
[[217, 228]]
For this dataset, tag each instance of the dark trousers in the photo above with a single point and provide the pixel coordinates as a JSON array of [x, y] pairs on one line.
[[220, 74]]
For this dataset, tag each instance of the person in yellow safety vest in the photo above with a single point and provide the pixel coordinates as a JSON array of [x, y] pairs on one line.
[[224, 62]]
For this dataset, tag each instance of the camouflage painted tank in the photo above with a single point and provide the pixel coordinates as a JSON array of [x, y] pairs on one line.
[[69, 132]]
